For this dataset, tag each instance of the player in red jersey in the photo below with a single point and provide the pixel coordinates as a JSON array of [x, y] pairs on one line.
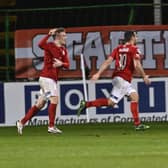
[[55, 57], [127, 60]]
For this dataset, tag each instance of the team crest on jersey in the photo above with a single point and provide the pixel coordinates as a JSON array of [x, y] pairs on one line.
[[63, 52], [138, 50]]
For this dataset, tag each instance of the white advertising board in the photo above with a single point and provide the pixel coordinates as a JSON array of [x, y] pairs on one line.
[[17, 98]]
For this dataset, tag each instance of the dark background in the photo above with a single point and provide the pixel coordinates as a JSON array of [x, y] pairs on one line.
[[102, 15], [23, 14]]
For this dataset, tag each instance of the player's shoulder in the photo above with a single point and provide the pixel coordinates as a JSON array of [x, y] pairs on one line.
[[136, 49], [133, 48]]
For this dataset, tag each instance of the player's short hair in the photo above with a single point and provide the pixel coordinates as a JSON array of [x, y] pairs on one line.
[[128, 35], [58, 30]]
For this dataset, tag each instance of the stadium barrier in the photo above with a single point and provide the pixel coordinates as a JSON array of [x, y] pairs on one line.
[[17, 97]]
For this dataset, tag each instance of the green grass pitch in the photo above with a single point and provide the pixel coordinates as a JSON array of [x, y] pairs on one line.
[[85, 146]]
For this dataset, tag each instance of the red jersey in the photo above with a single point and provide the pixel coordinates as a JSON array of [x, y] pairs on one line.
[[52, 51], [124, 64]]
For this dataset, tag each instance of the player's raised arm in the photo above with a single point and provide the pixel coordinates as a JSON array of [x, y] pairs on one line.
[[43, 43]]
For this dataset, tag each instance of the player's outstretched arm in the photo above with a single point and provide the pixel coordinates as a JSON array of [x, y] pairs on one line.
[[140, 70], [103, 67]]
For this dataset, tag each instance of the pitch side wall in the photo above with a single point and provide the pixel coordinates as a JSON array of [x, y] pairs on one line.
[[16, 98]]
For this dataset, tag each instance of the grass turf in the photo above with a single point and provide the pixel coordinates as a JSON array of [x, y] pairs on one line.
[[85, 146]]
